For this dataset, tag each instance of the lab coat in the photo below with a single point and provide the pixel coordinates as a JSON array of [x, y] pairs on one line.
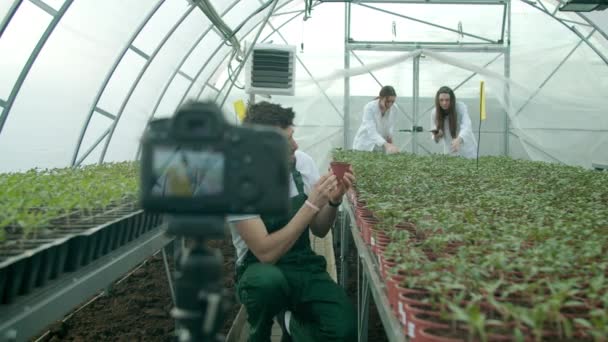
[[375, 127], [464, 129]]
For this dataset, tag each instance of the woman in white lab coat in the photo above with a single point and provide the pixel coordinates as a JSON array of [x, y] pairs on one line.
[[453, 125], [378, 124]]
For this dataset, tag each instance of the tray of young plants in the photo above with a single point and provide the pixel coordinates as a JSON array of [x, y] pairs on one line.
[[57, 220], [511, 250]]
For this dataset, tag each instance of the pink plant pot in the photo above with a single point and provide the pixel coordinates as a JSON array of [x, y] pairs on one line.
[[339, 169]]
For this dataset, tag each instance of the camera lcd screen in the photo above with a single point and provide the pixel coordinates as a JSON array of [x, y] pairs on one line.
[[187, 172]]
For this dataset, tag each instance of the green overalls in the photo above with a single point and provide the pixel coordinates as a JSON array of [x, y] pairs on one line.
[[298, 282]]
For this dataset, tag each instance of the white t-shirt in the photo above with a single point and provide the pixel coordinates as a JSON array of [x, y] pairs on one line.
[[310, 176], [375, 127]]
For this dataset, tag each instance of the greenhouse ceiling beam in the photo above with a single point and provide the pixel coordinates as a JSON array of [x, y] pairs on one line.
[[207, 83], [183, 61], [380, 84], [9, 15], [218, 22], [572, 28], [550, 76], [30, 61], [435, 2], [43, 6], [184, 75], [411, 46], [141, 73], [92, 147], [340, 114], [31, 314], [212, 87], [247, 55], [430, 24], [285, 13], [264, 40], [578, 23], [105, 113], [2, 103], [298, 13], [107, 78]]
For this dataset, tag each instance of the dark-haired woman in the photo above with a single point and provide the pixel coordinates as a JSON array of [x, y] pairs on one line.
[[453, 125], [378, 124]]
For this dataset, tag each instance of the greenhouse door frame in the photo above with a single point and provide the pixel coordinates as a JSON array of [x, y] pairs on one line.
[[501, 46]]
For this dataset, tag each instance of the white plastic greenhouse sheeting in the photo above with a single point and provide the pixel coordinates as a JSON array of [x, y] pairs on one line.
[[563, 122]]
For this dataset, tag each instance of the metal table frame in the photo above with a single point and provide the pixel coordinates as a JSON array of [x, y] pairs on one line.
[[28, 315], [368, 280]]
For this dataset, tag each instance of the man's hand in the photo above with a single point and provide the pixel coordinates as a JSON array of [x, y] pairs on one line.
[[390, 148], [319, 195], [343, 186], [456, 144]]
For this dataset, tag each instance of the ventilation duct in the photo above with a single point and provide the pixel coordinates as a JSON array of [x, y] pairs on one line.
[[271, 70]]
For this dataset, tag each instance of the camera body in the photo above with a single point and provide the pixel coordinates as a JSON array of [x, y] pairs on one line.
[[197, 163]]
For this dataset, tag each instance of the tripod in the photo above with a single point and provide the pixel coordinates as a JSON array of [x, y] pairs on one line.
[[200, 302]]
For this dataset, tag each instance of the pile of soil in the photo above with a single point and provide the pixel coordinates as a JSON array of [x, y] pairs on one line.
[[137, 308]]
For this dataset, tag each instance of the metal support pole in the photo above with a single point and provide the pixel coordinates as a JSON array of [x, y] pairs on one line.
[[347, 144], [168, 273], [364, 307], [344, 244], [507, 90], [415, 102]]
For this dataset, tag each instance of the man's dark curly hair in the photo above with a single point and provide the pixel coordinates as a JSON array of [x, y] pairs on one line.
[[269, 114]]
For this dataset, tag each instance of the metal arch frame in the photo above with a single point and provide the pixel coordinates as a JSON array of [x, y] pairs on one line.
[[33, 55], [572, 28], [149, 60], [9, 16], [203, 67], [183, 61], [104, 84]]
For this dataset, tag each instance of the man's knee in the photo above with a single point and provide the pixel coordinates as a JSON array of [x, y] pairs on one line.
[[262, 283], [346, 328]]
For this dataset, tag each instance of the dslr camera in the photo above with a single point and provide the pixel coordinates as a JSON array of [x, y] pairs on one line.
[[197, 163]]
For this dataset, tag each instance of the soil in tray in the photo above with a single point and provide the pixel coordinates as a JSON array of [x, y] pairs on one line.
[[138, 308]]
